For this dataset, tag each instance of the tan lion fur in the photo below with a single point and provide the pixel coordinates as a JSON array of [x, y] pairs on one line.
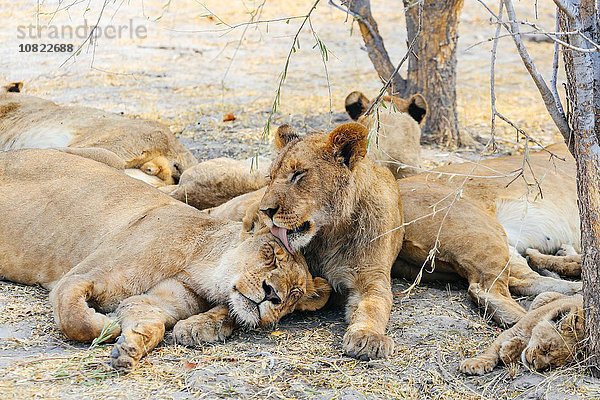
[[213, 182], [32, 122], [550, 335], [102, 242], [484, 220], [485, 226]]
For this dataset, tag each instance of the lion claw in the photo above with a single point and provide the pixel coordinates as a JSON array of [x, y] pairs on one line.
[[366, 345]]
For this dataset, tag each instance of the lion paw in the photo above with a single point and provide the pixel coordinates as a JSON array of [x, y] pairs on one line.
[[367, 345], [202, 329], [476, 366], [124, 355], [510, 350]]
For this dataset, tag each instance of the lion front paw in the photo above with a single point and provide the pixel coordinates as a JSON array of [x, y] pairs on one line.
[[367, 345], [125, 355], [476, 366], [202, 329]]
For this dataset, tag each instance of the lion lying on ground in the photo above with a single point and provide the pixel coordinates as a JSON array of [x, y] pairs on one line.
[[31, 122], [102, 242], [550, 335], [484, 216], [395, 128], [475, 218]]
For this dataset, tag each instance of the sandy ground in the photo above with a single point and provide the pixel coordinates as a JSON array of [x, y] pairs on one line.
[[188, 72]]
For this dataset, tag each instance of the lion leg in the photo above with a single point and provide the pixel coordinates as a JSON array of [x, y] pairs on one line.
[[544, 298], [214, 325], [368, 311], [496, 302], [524, 281], [487, 271], [75, 318], [568, 265], [511, 349], [144, 319], [504, 346]]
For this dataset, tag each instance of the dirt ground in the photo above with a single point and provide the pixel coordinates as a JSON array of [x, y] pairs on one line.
[[188, 72]]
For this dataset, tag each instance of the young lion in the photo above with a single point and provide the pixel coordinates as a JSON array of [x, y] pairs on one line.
[[343, 212], [31, 122], [102, 242], [548, 336]]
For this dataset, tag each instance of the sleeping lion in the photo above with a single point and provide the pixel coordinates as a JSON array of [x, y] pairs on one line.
[[550, 335], [146, 146], [110, 248]]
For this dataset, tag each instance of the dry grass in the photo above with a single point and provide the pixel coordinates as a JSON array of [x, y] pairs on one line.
[[433, 329]]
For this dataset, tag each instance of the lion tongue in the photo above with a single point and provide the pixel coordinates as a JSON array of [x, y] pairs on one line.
[[281, 233]]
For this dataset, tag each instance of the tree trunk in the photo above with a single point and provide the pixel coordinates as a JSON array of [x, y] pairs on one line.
[[432, 67], [583, 90]]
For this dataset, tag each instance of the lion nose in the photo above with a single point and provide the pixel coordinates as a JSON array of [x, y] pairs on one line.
[[270, 212], [270, 294]]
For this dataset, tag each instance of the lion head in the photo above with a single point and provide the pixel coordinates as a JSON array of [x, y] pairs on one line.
[[272, 282], [310, 180], [555, 341]]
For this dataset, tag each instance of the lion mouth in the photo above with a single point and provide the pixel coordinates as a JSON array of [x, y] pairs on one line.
[[283, 234]]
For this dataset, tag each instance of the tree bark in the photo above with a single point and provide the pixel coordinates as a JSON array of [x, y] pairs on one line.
[[583, 90], [432, 67]]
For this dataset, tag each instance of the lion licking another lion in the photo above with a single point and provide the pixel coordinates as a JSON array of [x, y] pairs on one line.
[[483, 227], [110, 248]]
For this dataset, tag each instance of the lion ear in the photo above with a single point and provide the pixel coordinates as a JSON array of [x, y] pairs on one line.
[[572, 321], [348, 143], [317, 294], [283, 136], [13, 87], [356, 104], [418, 108]]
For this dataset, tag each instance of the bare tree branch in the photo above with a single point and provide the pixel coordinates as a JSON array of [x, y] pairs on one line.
[[556, 113]]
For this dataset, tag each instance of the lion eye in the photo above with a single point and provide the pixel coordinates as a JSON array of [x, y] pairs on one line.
[[297, 175]]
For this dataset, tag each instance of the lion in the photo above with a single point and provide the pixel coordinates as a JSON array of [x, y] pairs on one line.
[[326, 200], [32, 122], [479, 219], [396, 127], [122, 259], [550, 335]]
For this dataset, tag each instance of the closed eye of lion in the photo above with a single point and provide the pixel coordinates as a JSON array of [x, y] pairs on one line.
[[113, 249]]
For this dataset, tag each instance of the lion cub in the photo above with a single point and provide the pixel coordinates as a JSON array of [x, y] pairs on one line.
[[103, 243], [548, 336]]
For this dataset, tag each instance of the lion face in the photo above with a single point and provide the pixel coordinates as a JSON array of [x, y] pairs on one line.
[[554, 342], [308, 179], [273, 283]]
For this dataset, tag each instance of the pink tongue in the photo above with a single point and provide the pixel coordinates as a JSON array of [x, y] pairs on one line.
[[281, 233]]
